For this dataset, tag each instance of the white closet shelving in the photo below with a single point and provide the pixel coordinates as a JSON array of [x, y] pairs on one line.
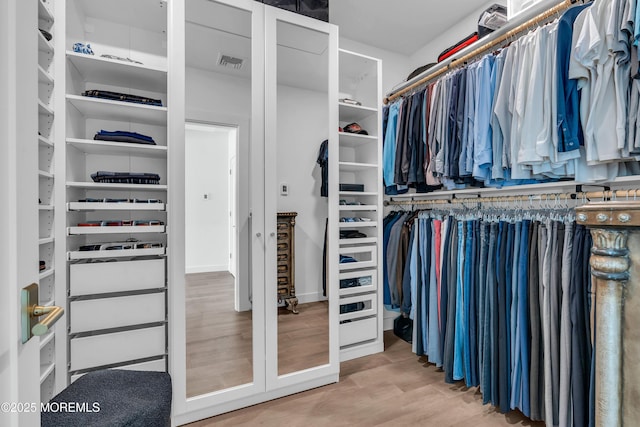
[[46, 196], [117, 310], [359, 162]]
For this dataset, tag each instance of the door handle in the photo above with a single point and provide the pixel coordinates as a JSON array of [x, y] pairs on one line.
[[31, 311]]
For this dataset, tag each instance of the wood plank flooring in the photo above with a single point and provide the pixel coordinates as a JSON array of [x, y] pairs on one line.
[[303, 339], [394, 388], [219, 339]]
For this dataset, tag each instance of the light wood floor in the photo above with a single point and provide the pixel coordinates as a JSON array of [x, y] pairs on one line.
[[393, 388], [219, 339]]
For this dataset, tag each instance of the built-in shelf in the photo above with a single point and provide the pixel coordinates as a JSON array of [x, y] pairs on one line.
[[46, 370], [78, 255], [43, 44], [360, 224], [45, 240], [43, 109], [119, 73], [116, 229], [44, 77], [345, 242], [354, 113], [356, 167], [90, 146], [45, 174], [46, 273], [44, 13], [107, 186], [45, 207], [46, 338], [99, 206], [106, 109], [353, 208], [356, 140], [357, 193], [45, 142]]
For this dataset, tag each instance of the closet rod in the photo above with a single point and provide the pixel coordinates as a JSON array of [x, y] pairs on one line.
[[495, 42], [633, 194]]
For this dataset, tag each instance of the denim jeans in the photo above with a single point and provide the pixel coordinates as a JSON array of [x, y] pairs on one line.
[[433, 349], [458, 360]]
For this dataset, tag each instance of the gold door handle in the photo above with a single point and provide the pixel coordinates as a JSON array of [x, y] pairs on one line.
[[31, 311], [53, 313]]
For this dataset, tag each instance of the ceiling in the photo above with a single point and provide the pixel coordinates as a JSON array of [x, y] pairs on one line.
[[402, 26]]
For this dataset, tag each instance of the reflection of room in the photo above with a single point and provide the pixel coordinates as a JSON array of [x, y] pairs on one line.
[[213, 296], [302, 113]]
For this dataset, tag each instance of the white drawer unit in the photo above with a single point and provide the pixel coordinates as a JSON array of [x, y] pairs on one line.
[[362, 306], [108, 349], [108, 277], [116, 312], [358, 331], [365, 256], [357, 282]]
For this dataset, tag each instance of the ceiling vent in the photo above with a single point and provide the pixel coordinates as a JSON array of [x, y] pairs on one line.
[[230, 61]]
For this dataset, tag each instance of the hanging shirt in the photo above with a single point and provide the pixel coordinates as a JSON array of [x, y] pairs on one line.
[[568, 123], [389, 147], [482, 134]]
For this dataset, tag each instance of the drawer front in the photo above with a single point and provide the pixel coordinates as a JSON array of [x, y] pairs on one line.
[[154, 365], [106, 349], [358, 331], [104, 277], [105, 313], [358, 306], [357, 282], [365, 256]]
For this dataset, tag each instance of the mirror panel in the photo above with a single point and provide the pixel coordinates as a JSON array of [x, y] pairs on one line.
[[219, 321], [302, 117]]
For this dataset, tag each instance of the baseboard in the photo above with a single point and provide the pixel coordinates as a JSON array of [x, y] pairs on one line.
[[205, 269], [362, 350], [310, 297], [389, 317]]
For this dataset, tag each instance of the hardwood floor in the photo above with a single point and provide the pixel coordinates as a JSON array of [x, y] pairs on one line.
[[219, 339], [303, 339], [393, 388]]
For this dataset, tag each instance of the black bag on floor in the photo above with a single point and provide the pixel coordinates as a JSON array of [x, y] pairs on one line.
[[403, 328]]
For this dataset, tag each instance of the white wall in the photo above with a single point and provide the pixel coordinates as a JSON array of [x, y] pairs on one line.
[[429, 52], [395, 66], [217, 93], [207, 219], [302, 126]]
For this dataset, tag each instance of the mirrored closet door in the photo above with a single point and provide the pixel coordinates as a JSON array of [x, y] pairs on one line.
[[224, 322], [258, 323], [300, 91]]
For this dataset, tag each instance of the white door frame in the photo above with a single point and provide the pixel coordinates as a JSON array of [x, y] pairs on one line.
[[19, 363]]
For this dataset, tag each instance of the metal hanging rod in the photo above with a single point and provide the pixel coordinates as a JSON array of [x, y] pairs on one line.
[[490, 44], [633, 194]]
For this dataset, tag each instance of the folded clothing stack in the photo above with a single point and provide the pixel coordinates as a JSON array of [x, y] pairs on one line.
[[125, 177], [117, 96], [123, 136]]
